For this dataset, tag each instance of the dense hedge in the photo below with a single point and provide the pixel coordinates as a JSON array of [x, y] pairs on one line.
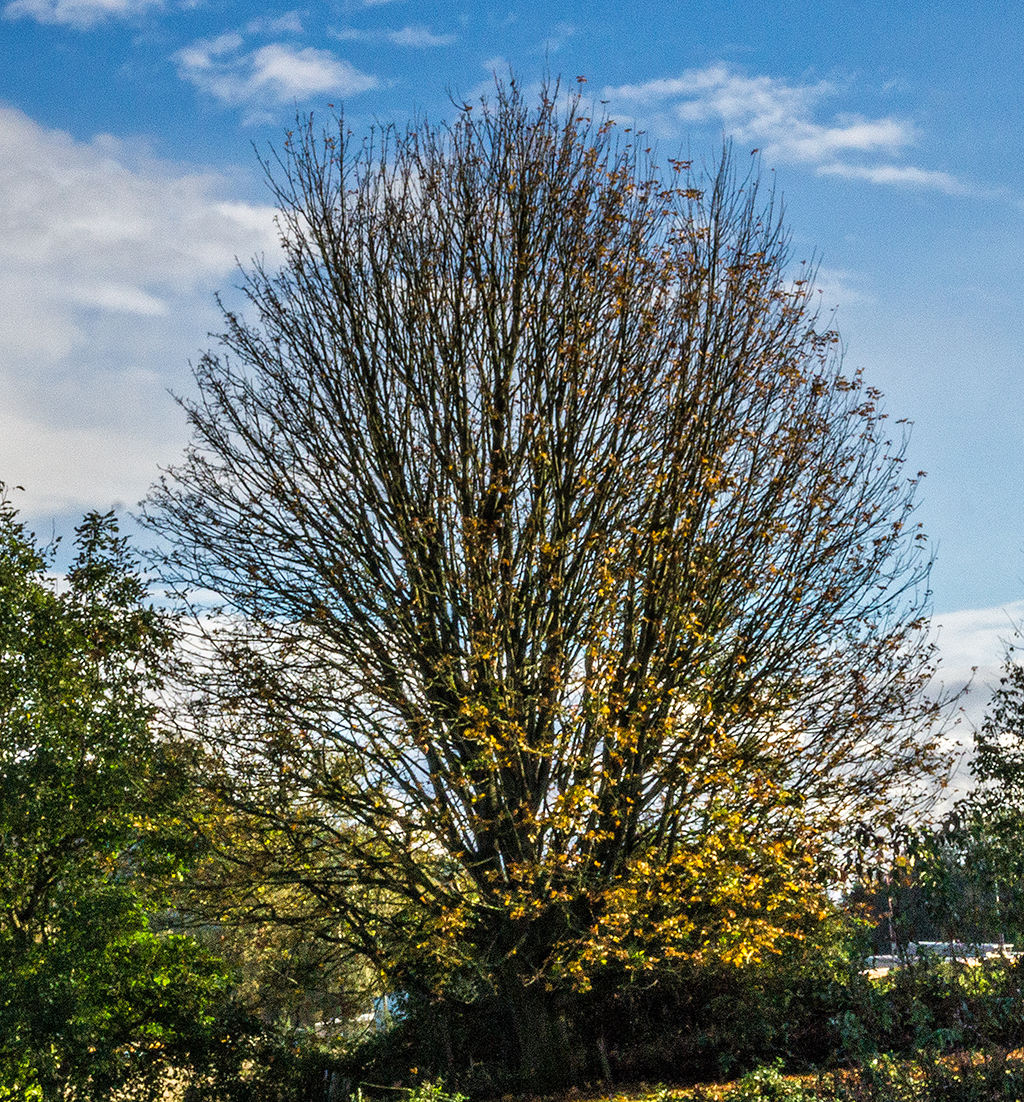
[[810, 1013]]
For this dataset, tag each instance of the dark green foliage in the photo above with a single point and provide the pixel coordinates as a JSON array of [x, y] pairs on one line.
[[80, 1015], [251, 1062], [933, 1030], [938, 1004], [93, 836], [90, 997]]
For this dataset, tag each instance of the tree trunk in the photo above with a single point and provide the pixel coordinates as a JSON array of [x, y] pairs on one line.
[[544, 1054]]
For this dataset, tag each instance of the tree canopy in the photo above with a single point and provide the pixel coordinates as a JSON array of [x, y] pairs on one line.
[[571, 606]]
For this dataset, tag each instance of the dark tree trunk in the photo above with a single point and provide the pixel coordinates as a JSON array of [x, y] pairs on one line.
[[544, 1052]]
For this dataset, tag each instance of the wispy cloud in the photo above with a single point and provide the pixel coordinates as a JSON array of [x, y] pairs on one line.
[[783, 120], [418, 37], [108, 261], [289, 23], [268, 76], [76, 13], [900, 176], [555, 41]]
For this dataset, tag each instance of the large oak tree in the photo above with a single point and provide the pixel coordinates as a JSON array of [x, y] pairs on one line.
[[571, 603]]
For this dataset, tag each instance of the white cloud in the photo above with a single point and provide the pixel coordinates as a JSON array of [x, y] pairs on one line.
[[419, 37], [108, 261], [268, 76], [977, 637], [899, 175], [74, 216], [781, 119], [76, 13], [415, 36], [289, 23], [72, 469]]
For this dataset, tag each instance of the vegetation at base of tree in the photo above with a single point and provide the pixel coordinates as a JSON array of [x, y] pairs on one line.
[[993, 1076], [936, 1030], [810, 1015]]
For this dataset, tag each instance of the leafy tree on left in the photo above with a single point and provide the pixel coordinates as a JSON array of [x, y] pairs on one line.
[[90, 997]]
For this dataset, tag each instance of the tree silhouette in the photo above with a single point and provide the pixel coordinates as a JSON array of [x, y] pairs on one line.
[[571, 602]]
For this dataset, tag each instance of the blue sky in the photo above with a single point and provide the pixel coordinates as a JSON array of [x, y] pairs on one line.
[[129, 185]]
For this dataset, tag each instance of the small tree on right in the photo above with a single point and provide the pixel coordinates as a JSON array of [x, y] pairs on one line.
[[999, 747], [966, 880], [993, 814]]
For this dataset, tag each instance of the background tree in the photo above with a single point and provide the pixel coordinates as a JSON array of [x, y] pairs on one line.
[[970, 868], [998, 764], [245, 897], [572, 607], [89, 997]]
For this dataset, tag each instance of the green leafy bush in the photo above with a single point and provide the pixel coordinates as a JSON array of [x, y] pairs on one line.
[[433, 1092], [768, 1084]]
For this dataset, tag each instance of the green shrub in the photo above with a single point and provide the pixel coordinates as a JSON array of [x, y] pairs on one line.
[[768, 1084], [433, 1091]]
